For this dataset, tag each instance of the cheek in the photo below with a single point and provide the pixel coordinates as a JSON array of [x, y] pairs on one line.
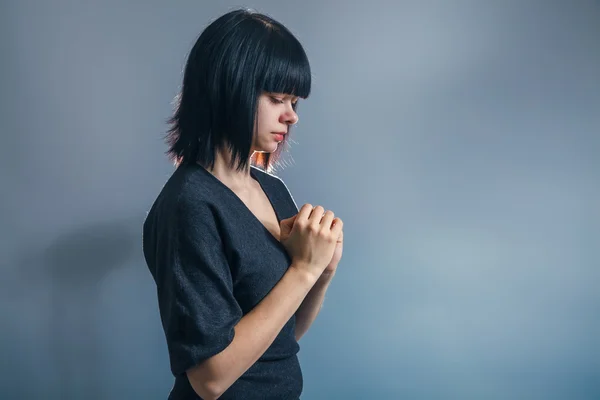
[[264, 119]]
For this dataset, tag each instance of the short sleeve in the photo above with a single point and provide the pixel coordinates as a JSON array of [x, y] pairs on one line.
[[195, 293]]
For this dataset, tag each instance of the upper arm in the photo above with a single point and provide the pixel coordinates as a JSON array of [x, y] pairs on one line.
[[195, 293]]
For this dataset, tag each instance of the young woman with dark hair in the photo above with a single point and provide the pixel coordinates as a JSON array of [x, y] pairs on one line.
[[240, 271]]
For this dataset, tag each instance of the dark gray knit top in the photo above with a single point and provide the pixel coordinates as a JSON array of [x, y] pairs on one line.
[[213, 261]]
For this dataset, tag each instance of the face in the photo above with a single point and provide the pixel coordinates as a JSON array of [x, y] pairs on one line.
[[275, 115]]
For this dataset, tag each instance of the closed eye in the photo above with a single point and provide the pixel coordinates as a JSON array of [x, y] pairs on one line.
[[275, 100]]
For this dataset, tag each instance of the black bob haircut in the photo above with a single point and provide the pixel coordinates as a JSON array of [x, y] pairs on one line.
[[235, 59]]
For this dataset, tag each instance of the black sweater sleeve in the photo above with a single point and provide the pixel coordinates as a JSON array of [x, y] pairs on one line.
[[195, 289]]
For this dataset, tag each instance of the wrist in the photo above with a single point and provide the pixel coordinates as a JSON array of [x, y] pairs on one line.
[[325, 278], [302, 274]]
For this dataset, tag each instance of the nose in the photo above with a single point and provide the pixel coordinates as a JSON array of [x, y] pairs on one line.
[[290, 117]]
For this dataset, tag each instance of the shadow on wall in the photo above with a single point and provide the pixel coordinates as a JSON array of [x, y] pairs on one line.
[[71, 268]]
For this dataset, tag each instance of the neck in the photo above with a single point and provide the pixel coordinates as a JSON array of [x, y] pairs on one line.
[[232, 178]]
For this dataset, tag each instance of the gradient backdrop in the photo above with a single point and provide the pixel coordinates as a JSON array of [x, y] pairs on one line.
[[458, 140]]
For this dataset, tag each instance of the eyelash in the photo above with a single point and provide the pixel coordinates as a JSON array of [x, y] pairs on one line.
[[277, 101]]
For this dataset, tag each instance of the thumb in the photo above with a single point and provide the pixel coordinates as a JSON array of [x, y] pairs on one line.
[[286, 224]]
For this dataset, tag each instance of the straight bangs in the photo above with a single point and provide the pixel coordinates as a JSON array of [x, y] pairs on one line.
[[286, 68]]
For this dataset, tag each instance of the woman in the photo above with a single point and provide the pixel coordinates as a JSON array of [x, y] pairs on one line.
[[240, 271]]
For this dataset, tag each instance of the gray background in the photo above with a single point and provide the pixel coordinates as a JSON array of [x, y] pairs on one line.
[[458, 140]]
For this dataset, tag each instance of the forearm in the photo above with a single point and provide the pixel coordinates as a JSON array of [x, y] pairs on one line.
[[310, 307], [254, 333]]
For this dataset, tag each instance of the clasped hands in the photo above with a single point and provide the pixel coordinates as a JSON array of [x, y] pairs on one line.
[[288, 224]]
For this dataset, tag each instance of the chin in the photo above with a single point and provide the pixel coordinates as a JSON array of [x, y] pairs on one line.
[[271, 147], [268, 146]]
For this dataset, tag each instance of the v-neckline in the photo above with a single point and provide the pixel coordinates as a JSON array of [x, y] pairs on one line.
[[241, 202]]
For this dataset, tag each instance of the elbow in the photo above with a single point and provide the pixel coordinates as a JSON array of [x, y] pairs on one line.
[[299, 332], [205, 388]]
